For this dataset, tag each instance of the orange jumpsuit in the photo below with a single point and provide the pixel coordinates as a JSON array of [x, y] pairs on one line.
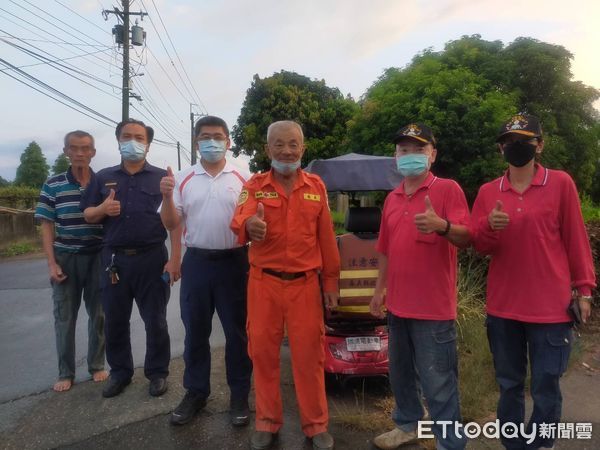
[[300, 238]]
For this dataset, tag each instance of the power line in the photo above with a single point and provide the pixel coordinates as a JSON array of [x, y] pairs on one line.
[[112, 122], [191, 95], [105, 47], [50, 62], [87, 20], [177, 54]]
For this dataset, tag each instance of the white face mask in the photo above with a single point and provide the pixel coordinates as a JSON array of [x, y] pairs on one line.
[[212, 150], [284, 168], [132, 150]]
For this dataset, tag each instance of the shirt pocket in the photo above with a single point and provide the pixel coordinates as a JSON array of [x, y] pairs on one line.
[[310, 211], [149, 201]]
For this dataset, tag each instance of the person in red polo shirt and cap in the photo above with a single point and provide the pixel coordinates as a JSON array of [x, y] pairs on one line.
[[529, 221], [284, 212], [423, 221]]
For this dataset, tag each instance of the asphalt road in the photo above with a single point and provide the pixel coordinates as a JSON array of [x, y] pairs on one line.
[[27, 345]]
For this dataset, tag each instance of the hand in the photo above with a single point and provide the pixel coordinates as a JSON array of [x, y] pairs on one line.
[[331, 300], [377, 306], [585, 307], [256, 227], [111, 206], [56, 273], [497, 218], [174, 268], [429, 221], [167, 184]]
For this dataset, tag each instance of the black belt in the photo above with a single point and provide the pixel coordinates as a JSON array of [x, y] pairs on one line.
[[216, 254], [135, 250], [286, 276]]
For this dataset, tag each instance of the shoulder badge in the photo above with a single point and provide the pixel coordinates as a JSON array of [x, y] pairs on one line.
[[243, 197]]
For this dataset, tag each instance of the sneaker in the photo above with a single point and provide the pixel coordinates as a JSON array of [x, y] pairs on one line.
[[239, 412], [395, 438], [322, 441], [261, 440], [187, 409]]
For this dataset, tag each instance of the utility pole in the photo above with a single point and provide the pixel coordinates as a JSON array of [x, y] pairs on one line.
[[121, 33], [178, 156], [193, 147]]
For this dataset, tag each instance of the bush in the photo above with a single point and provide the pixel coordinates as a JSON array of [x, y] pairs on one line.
[[19, 197]]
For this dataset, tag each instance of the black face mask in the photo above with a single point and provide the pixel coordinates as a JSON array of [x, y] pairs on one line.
[[519, 153]]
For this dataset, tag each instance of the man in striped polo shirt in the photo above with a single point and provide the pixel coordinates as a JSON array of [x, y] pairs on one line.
[[72, 247]]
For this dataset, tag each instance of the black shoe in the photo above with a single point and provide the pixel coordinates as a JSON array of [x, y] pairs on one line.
[[239, 412], [187, 409], [262, 440], [157, 387], [114, 387]]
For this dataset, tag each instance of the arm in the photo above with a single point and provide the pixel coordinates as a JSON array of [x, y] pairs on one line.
[[56, 273], [377, 305], [173, 265], [485, 239], [577, 246], [329, 254], [168, 210], [246, 209], [109, 207]]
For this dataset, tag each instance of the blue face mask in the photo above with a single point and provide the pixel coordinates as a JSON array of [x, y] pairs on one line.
[[212, 150], [412, 165], [284, 168], [132, 150]]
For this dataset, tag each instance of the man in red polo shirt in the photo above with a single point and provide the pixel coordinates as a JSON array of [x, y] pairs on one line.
[[529, 221], [423, 221]]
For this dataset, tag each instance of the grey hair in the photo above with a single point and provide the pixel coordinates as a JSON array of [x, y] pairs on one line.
[[78, 134], [284, 123]]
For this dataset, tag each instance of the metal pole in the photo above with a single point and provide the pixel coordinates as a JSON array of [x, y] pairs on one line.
[[193, 148], [178, 157], [125, 105]]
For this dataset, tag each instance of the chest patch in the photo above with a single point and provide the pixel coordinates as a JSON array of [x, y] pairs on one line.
[[312, 197], [261, 194]]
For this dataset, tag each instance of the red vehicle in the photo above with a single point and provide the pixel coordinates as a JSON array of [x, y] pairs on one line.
[[356, 343]]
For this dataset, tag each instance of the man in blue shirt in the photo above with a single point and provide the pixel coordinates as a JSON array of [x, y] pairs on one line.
[[125, 199], [72, 248]]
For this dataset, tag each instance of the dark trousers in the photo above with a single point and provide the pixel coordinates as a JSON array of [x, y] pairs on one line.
[[139, 280], [548, 346], [209, 282]]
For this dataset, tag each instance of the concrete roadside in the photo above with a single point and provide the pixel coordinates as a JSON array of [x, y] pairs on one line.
[[82, 419]]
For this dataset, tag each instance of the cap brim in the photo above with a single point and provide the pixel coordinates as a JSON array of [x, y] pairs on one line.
[[522, 132], [416, 138]]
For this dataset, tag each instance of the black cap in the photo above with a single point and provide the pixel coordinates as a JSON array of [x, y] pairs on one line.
[[417, 131], [522, 124]]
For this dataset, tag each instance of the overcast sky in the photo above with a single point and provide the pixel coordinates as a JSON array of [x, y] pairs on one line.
[[220, 45]]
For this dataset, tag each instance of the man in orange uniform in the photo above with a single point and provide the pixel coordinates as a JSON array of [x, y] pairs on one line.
[[284, 212]]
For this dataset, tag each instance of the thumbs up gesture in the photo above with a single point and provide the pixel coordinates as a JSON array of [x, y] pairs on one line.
[[167, 184], [256, 227], [497, 218], [428, 221], [111, 206]]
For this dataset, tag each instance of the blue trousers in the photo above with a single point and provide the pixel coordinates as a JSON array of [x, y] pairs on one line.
[[548, 346], [139, 280], [83, 272], [209, 282], [422, 358]]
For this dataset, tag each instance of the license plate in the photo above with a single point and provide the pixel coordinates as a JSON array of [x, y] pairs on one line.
[[363, 344]]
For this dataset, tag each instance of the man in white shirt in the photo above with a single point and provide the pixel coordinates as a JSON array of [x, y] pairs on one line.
[[214, 269]]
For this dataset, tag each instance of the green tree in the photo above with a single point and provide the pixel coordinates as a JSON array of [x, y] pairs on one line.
[[61, 164], [33, 169], [465, 93], [4, 182], [322, 111], [460, 106]]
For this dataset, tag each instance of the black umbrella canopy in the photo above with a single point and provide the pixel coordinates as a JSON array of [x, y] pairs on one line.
[[356, 172]]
